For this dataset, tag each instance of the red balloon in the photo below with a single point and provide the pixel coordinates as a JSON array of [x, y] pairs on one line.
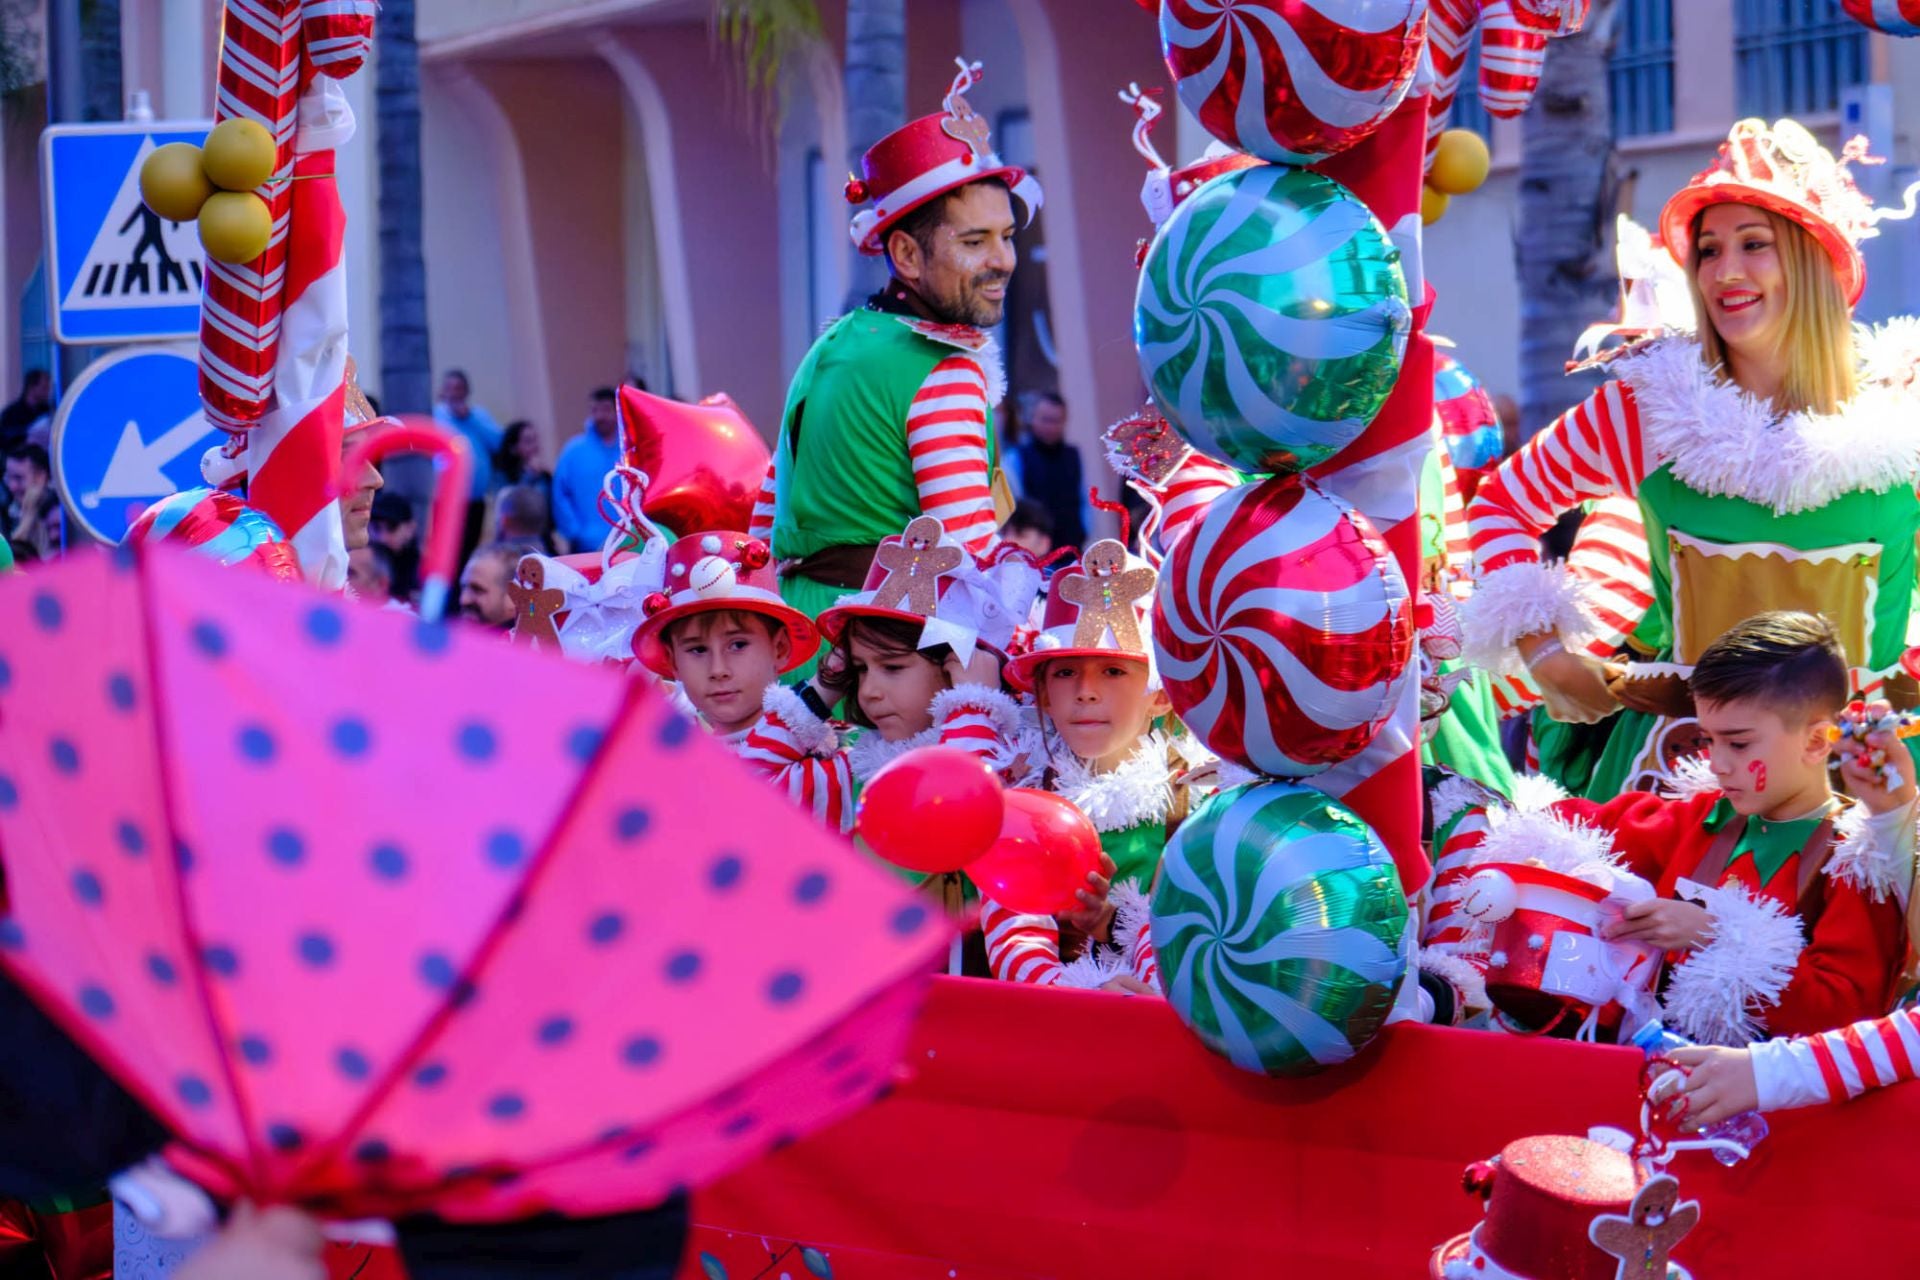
[[1045, 850], [704, 462], [932, 810]]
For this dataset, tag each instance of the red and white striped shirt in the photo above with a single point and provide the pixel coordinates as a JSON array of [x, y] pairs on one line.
[[946, 437], [801, 753], [1837, 1065]]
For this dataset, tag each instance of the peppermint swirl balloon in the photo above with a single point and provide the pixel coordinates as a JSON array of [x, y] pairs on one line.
[[1469, 424], [1292, 80], [1280, 926], [1271, 319], [1891, 17], [1283, 629], [221, 526]]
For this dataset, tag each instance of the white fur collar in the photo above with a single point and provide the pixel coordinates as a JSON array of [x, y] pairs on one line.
[[978, 343], [1723, 442], [870, 753], [1139, 791]]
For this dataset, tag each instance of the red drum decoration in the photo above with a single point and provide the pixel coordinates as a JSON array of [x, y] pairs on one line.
[[1283, 629], [1293, 81], [704, 462]]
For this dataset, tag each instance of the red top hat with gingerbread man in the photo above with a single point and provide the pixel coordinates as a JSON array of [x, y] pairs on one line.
[[714, 571]]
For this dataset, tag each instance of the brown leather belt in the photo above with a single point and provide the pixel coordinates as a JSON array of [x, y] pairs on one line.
[[843, 567]]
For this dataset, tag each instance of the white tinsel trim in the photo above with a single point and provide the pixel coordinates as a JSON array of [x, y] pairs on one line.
[[1525, 598], [989, 702], [1456, 794], [1544, 838], [1093, 970], [810, 733], [1132, 909], [1721, 441], [869, 753], [1718, 994], [1467, 980], [1691, 776], [1889, 352], [1533, 792], [1862, 860], [1138, 791]]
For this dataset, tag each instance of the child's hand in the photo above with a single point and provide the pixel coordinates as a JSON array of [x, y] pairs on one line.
[[1665, 923], [984, 669], [261, 1244], [1867, 782], [1128, 985], [1720, 1085], [1094, 915]]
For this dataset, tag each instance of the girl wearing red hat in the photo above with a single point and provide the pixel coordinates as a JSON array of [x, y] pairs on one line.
[[1774, 457]]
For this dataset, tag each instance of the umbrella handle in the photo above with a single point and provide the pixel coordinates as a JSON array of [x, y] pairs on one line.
[[453, 480]]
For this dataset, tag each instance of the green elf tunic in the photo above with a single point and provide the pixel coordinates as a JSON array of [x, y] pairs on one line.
[[1746, 510], [888, 418]]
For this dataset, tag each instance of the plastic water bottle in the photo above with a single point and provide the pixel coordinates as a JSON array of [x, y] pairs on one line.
[[1748, 1128]]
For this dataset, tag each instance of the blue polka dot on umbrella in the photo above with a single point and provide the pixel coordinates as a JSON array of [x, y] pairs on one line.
[[132, 840], [95, 1002], [683, 966], [786, 987], [193, 1091], [506, 1106], [65, 756], [641, 1051], [640, 1150], [431, 638], [256, 744], [675, 730], [222, 960], [389, 861], [437, 971], [909, 919], [726, 871], [286, 847], [351, 737], [256, 1051], [555, 1031], [632, 823], [606, 928], [209, 639], [738, 1125], [161, 969], [430, 1075], [584, 743], [372, 1151], [47, 611], [120, 693], [505, 849], [12, 938], [87, 888], [6, 674], [352, 1063], [316, 949], [476, 742], [284, 1138], [811, 887], [9, 794], [325, 625]]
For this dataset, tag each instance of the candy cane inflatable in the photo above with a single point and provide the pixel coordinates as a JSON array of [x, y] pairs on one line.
[[1890, 17]]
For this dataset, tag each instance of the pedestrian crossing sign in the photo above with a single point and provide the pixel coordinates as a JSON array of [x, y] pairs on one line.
[[116, 271]]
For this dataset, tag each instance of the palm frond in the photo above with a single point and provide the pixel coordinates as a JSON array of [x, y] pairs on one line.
[[763, 36]]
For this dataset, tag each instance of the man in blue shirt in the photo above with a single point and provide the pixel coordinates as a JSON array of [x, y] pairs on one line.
[[580, 472], [456, 410]]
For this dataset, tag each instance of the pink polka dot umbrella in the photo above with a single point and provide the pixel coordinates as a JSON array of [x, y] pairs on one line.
[[384, 917]]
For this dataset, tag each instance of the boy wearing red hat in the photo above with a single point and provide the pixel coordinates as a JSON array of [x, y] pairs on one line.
[[890, 416], [721, 630]]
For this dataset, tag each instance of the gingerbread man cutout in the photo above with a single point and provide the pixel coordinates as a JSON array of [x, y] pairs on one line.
[[538, 604], [964, 124], [1653, 1226], [1106, 593], [914, 566]]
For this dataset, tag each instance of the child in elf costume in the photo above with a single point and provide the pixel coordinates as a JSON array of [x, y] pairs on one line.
[[1781, 905], [721, 630], [1092, 678]]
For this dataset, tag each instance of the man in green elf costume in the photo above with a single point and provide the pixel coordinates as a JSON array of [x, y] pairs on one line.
[[890, 416]]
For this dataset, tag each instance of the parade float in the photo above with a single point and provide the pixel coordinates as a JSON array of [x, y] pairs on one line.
[[404, 1034]]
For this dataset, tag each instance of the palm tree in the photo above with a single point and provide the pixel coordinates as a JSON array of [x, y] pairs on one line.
[[406, 366], [1568, 188], [876, 90], [103, 98]]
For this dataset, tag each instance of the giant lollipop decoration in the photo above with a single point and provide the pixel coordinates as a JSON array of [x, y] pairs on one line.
[[1271, 319], [1283, 629], [1293, 80], [1278, 922]]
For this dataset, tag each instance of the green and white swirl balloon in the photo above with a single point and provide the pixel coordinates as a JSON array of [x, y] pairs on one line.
[[1279, 923], [1271, 318]]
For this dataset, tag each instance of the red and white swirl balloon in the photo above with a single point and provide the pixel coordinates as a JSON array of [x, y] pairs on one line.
[[1890, 17], [1293, 81], [1283, 629]]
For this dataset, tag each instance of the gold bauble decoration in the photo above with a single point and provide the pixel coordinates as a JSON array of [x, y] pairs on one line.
[[1461, 162], [235, 226], [173, 184], [240, 155], [1433, 205]]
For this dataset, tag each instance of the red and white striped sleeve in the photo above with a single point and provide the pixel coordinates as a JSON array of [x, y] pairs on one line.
[[760, 524], [947, 444], [1837, 1065], [801, 752], [1611, 559], [1142, 962], [1456, 542], [979, 720], [1021, 947], [1595, 450]]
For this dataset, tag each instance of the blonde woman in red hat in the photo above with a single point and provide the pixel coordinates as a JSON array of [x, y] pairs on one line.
[[890, 415], [1774, 457]]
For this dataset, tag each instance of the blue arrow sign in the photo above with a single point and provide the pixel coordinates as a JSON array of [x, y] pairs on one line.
[[129, 433], [117, 271]]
